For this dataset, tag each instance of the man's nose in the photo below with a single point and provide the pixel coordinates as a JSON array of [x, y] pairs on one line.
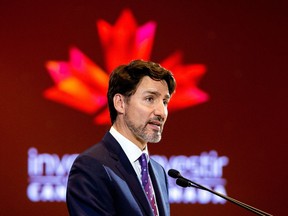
[[161, 110]]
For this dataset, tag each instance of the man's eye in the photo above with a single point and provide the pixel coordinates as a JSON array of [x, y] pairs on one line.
[[149, 99]]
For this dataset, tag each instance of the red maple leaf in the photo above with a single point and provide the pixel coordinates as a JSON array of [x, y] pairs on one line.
[[82, 84]]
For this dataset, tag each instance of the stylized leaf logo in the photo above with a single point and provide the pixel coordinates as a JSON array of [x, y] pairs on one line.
[[82, 84]]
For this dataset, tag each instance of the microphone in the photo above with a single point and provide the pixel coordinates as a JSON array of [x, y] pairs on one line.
[[184, 182], [180, 179], [174, 173]]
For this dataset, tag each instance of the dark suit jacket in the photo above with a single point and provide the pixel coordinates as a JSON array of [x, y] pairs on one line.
[[102, 181]]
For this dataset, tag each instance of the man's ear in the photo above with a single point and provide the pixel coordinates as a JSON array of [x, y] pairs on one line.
[[119, 103]]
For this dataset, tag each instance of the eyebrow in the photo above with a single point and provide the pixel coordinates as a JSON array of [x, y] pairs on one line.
[[167, 96]]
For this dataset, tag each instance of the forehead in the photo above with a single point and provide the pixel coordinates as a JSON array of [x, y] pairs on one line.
[[149, 85]]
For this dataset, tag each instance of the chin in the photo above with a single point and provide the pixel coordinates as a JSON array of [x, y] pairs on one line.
[[155, 140]]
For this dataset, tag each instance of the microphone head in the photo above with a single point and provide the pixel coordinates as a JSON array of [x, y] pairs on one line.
[[182, 182], [174, 173]]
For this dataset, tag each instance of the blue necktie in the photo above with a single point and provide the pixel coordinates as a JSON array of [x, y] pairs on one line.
[[146, 183]]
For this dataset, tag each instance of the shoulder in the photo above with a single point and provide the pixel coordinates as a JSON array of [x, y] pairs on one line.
[[88, 169], [101, 150]]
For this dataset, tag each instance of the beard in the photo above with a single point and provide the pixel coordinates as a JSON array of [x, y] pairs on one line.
[[142, 132]]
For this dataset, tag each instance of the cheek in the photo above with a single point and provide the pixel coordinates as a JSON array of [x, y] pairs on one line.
[[140, 114], [135, 113]]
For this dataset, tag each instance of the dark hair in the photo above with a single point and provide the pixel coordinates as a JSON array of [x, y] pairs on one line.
[[125, 79]]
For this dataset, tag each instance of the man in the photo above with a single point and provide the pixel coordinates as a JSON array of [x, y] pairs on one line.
[[109, 178]]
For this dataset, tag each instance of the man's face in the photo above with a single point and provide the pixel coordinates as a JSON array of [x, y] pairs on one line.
[[146, 111]]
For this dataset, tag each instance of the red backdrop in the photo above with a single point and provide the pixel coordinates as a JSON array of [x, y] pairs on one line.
[[244, 47]]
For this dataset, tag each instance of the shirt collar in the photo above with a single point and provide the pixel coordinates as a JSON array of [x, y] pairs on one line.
[[131, 150]]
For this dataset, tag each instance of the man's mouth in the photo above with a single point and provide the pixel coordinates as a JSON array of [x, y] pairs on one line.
[[155, 125]]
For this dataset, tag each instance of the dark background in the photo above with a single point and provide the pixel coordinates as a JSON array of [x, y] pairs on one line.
[[242, 43]]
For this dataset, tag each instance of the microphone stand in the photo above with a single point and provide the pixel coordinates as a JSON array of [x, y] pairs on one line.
[[183, 182]]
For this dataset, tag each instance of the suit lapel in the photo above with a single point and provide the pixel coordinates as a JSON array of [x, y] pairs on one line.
[[125, 168], [160, 187]]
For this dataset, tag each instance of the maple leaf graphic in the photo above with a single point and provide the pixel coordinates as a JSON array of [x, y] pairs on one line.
[[82, 84]]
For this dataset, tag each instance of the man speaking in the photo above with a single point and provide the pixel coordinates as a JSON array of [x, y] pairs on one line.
[[117, 176]]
